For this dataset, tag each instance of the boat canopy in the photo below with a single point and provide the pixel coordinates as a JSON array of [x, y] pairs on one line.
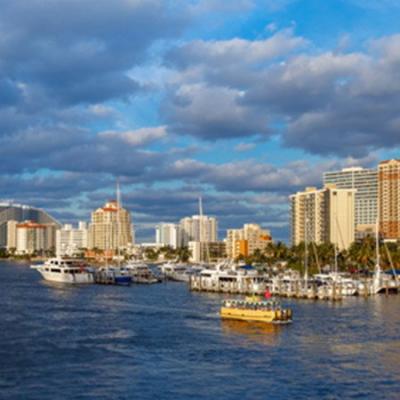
[[392, 272], [247, 267]]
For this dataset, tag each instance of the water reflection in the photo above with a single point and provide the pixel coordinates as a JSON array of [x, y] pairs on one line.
[[61, 290], [262, 333]]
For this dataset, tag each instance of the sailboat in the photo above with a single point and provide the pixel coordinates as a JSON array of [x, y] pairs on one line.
[[381, 282]]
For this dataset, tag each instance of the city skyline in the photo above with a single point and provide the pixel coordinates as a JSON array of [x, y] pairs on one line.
[[242, 103]]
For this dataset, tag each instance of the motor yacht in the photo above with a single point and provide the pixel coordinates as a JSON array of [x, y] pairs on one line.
[[141, 273], [175, 272], [64, 271]]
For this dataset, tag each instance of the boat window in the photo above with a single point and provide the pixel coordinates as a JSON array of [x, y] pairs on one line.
[[55, 270]]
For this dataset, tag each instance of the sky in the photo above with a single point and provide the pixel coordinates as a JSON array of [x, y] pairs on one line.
[[240, 102]]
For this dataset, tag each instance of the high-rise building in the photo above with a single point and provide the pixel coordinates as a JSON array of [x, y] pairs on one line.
[[17, 212], [389, 198], [70, 241], [168, 235], [29, 237], [198, 228], [110, 228], [323, 216], [365, 181], [247, 240]]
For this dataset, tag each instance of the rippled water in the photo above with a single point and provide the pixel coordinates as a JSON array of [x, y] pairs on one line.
[[164, 342]]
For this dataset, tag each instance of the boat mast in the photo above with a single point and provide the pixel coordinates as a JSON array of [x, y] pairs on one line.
[[377, 266], [335, 244], [305, 252], [118, 216]]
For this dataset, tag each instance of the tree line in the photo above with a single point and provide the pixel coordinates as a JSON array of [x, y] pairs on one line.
[[360, 256]]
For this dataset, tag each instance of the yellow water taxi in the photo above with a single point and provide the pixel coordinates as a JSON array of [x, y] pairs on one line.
[[256, 309]]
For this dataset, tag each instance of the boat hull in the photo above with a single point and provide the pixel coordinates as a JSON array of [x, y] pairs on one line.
[[60, 277], [123, 280], [272, 316]]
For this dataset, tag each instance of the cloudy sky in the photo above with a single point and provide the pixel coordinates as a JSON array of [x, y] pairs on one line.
[[241, 102]]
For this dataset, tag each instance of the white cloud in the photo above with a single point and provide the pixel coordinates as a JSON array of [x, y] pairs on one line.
[[242, 147], [138, 137]]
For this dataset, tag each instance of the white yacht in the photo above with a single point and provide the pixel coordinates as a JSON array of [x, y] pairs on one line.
[[64, 271], [232, 280], [141, 273], [174, 271], [345, 285]]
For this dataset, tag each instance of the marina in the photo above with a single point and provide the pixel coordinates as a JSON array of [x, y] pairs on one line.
[[225, 277], [164, 341], [246, 280]]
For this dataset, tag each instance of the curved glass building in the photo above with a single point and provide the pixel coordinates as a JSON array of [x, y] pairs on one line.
[[18, 212]]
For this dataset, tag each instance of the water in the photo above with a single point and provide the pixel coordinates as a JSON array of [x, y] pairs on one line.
[[164, 342]]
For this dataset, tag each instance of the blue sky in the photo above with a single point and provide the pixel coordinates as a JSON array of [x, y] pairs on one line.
[[240, 102]]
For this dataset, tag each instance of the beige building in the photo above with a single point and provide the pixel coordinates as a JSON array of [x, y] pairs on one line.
[[110, 228], [365, 181], [323, 216], [30, 237], [198, 228], [389, 198], [169, 235], [71, 241], [246, 240]]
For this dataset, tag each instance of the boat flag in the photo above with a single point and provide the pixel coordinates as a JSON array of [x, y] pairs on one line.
[[267, 294]]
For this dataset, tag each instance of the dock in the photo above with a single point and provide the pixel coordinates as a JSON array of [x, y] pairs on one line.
[[296, 289]]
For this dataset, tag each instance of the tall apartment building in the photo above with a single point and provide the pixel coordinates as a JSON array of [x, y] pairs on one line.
[[110, 227], [30, 237], [70, 241], [198, 228], [389, 198], [365, 181], [168, 235], [246, 240], [323, 216]]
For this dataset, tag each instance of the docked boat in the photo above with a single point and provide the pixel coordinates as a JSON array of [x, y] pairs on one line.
[[256, 309], [231, 279], [335, 281], [113, 275], [64, 271], [175, 272], [141, 273]]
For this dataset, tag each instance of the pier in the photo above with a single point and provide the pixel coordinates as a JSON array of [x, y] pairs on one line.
[[295, 288]]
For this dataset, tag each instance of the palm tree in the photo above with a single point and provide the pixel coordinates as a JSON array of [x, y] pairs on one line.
[[362, 253], [184, 254]]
